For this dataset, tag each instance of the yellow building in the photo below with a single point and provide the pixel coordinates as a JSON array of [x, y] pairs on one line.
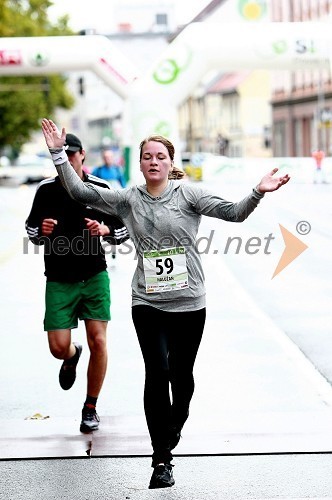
[[230, 116]]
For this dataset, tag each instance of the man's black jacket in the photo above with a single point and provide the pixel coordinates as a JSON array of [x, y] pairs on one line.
[[71, 254]]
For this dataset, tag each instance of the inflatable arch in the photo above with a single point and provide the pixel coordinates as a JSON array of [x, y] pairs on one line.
[[152, 99], [58, 54]]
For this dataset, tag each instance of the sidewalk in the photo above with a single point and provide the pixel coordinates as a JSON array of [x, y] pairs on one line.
[[201, 478]]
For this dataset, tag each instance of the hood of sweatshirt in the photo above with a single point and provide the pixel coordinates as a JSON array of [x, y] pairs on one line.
[[165, 195]]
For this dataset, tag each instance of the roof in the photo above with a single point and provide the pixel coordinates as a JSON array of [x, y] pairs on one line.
[[228, 82]]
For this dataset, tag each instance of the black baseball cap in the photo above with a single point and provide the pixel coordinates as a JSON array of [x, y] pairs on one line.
[[73, 143]]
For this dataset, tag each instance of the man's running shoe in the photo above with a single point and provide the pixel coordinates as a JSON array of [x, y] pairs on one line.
[[67, 374], [162, 477], [90, 420]]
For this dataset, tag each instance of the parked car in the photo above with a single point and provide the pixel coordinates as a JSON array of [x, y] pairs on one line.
[[28, 169]]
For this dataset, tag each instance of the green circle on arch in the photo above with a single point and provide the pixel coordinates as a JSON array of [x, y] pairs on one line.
[[167, 72]]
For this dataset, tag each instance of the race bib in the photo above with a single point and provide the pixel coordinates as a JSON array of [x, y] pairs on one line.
[[165, 270]]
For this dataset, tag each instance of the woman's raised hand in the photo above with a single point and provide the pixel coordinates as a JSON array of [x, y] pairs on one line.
[[54, 139], [270, 183]]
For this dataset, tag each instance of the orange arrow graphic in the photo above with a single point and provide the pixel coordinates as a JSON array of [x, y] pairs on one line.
[[293, 248]]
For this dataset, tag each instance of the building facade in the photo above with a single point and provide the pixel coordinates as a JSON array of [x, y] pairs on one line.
[[230, 116], [301, 101]]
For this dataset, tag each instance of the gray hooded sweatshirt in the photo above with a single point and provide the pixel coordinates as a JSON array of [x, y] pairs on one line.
[[169, 221]]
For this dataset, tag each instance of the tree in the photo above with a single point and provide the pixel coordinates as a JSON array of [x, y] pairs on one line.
[[25, 100]]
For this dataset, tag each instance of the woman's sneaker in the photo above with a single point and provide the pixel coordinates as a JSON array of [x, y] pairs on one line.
[[162, 476]]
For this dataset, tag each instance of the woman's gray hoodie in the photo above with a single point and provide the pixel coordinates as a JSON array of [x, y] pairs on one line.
[[167, 221]]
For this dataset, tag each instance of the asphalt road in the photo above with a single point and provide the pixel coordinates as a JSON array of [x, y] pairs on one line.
[[298, 299]]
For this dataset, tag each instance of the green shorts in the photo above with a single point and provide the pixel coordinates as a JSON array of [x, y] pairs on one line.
[[67, 302]]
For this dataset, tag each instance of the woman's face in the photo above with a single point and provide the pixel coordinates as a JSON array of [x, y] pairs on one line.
[[155, 162]]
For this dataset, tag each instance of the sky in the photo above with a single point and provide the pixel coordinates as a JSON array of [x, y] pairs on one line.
[[97, 14]]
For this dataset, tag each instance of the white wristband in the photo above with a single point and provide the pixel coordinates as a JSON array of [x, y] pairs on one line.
[[59, 156], [258, 192]]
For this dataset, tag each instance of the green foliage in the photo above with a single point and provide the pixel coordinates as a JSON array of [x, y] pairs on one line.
[[24, 100]]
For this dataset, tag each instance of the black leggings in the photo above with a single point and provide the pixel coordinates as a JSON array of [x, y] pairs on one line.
[[169, 343]]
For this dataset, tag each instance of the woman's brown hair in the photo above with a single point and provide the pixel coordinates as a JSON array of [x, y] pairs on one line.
[[176, 173]]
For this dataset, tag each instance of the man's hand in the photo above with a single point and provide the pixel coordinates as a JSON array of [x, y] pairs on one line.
[[54, 139], [270, 183], [48, 226], [95, 228]]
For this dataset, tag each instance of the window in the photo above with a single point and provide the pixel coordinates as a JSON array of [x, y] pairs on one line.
[[161, 19], [279, 138]]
